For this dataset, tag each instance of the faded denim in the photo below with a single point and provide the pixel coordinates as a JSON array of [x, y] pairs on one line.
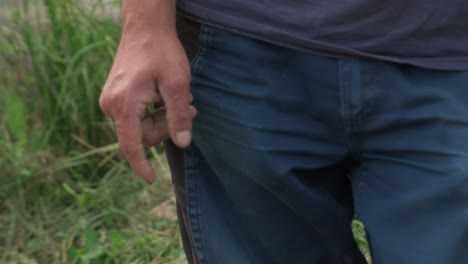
[[289, 146]]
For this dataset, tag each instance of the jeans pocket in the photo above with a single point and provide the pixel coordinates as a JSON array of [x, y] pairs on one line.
[[201, 55]]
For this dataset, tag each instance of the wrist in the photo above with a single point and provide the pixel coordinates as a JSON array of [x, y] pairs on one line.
[[148, 17], [143, 39]]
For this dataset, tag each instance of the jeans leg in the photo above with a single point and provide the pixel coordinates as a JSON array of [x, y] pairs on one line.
[[267, 175], [188, 32], [411, 190]]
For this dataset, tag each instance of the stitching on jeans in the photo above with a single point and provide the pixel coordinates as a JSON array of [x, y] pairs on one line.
[[362, 178], [196, 59], [205, 42], [192, 173], [343, 101]]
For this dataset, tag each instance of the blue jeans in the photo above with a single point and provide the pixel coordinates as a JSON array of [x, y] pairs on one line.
[[290, 146]]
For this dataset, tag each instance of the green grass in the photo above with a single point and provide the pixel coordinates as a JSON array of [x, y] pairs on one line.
[[66, 195]]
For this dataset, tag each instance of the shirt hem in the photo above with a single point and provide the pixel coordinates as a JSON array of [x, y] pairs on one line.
[[230, 23]]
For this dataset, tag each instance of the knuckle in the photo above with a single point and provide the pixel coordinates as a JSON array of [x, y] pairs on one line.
[[177, 101], [117, 102], [180, 118], [176, 98], [181, 82], [117, 97], [111, 101], [103, 104], [106, 105]]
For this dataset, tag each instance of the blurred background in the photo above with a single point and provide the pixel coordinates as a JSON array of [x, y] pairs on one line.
[[66, 194]]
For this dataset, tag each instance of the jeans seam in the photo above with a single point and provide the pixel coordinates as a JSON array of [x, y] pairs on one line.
[[343, 100], [192, 176], [205, 40], [191, 162]]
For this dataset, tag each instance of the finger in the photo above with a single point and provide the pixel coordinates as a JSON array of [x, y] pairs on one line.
[[129, 132], [155, 127], [179, 118], [193, 111]]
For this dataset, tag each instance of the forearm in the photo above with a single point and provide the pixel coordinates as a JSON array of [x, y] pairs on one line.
[[152, 17]]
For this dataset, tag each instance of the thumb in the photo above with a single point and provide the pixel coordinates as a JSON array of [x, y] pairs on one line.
[[179, 112]]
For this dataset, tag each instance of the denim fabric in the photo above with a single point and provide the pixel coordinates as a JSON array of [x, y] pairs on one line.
[[188, 32], [289, 146]]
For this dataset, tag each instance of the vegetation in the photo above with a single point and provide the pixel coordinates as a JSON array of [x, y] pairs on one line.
[[66, 195]]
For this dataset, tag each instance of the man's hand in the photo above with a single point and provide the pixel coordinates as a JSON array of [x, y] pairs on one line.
[[150, 67]]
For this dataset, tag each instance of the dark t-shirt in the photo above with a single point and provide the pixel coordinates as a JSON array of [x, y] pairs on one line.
[[426, 33]]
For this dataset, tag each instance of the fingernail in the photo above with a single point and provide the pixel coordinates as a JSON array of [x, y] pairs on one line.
[[183, 138]]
